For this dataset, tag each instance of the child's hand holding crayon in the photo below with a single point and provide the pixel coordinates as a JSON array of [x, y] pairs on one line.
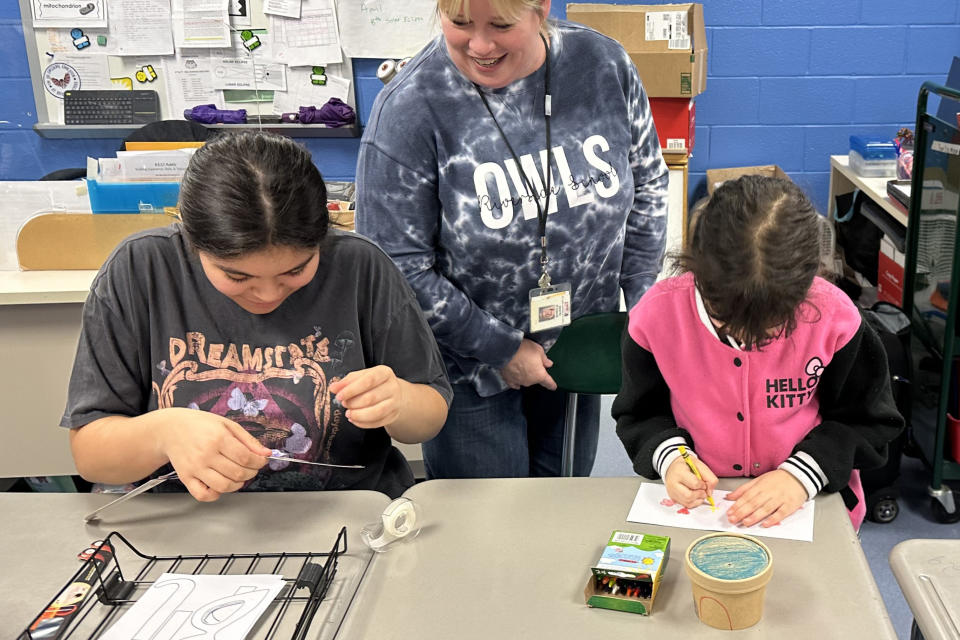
[[684, 486]]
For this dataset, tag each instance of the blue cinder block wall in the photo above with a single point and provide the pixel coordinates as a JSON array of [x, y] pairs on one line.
[[788, 83]]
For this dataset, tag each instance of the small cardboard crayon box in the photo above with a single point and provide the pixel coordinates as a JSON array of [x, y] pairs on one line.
[[628, 575]]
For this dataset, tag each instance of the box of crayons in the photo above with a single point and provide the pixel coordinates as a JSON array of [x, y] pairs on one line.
[[628, 574]]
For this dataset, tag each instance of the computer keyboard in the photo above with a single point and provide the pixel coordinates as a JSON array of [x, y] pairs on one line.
[[111, 107]]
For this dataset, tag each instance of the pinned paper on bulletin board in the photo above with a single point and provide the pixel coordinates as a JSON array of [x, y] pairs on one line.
[[141, 27], [189, 82], [69, 13], [286, 8], [312, 39], [239, 12], [383, 29], [244, 73], [201, 23]]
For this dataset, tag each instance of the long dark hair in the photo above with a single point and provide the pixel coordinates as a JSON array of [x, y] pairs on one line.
[[248, 191], [754, 251]]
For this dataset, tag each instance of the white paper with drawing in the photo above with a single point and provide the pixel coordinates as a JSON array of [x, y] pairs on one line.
[[653, 506], [185, 606]]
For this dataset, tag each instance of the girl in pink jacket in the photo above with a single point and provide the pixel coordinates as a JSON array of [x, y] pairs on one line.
[[759, 366]]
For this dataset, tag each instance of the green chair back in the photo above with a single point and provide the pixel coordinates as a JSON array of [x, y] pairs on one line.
[[586, 355]]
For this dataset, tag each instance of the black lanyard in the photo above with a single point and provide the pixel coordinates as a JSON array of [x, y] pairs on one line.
[[542, 209]]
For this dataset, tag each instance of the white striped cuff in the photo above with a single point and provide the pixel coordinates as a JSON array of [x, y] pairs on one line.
[[667, 452], [805, 469]]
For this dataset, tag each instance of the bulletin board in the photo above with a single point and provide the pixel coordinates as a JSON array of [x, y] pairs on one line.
[[268, 57]]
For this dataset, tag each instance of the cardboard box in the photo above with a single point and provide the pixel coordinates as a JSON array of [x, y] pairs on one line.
[[890, 272], [667, 42], [629, 572], [675, 120], [716, 176]]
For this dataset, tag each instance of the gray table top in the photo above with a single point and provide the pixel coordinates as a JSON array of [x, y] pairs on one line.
[[928, 572], [42, 533], [501, 558], [510, 559]]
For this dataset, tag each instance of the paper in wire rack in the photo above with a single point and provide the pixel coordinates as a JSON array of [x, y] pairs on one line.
[[222, 606]]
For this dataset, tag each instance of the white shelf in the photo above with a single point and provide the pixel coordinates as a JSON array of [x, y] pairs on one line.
[[44, 287], [875, 188]]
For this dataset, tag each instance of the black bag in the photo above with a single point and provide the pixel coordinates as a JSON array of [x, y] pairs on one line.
[[858, 236], [893, 327]]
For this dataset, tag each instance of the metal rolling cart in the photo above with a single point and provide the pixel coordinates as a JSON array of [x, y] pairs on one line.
[[932, 293]]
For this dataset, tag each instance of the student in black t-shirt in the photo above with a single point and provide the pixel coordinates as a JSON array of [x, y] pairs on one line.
[[251, 328]]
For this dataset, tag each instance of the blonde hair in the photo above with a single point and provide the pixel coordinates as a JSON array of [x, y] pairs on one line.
[[508, 9]]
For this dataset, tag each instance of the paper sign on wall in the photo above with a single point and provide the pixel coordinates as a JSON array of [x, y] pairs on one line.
[[287, 8], [189, 82], [385, 29], [201, 23], [313, 39], [69, 13], [141, 27]]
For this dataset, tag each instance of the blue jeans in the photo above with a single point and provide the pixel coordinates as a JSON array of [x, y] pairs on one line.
[[513, 434]]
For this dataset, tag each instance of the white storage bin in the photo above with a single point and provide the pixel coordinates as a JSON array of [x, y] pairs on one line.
[[875, 168]]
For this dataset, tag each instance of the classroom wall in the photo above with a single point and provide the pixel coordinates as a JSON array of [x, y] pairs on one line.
[[789, 81]]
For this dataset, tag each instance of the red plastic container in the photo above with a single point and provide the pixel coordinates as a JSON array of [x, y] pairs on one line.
[[953, 437]]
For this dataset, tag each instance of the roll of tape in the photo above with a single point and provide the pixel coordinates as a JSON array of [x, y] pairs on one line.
[[398, 521], [402, 63], [386, 70], [399, 518]]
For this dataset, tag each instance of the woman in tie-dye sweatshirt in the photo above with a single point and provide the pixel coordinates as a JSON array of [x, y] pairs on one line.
[[451, 182]]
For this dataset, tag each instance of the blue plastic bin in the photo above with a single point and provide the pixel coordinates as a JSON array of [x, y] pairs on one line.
[[132, 197]]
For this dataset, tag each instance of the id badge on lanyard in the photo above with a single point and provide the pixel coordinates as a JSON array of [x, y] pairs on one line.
[[549, 307]]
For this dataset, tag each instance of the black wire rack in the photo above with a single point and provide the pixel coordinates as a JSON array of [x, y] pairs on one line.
[[114, 574]]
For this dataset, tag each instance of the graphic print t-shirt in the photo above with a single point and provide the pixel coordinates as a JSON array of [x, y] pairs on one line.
[[156, 334]]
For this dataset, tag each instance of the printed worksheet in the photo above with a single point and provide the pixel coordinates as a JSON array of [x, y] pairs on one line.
[[314, 39], [141, 27], [189, 81], [653, 506], [191, 606], [201, 23]]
